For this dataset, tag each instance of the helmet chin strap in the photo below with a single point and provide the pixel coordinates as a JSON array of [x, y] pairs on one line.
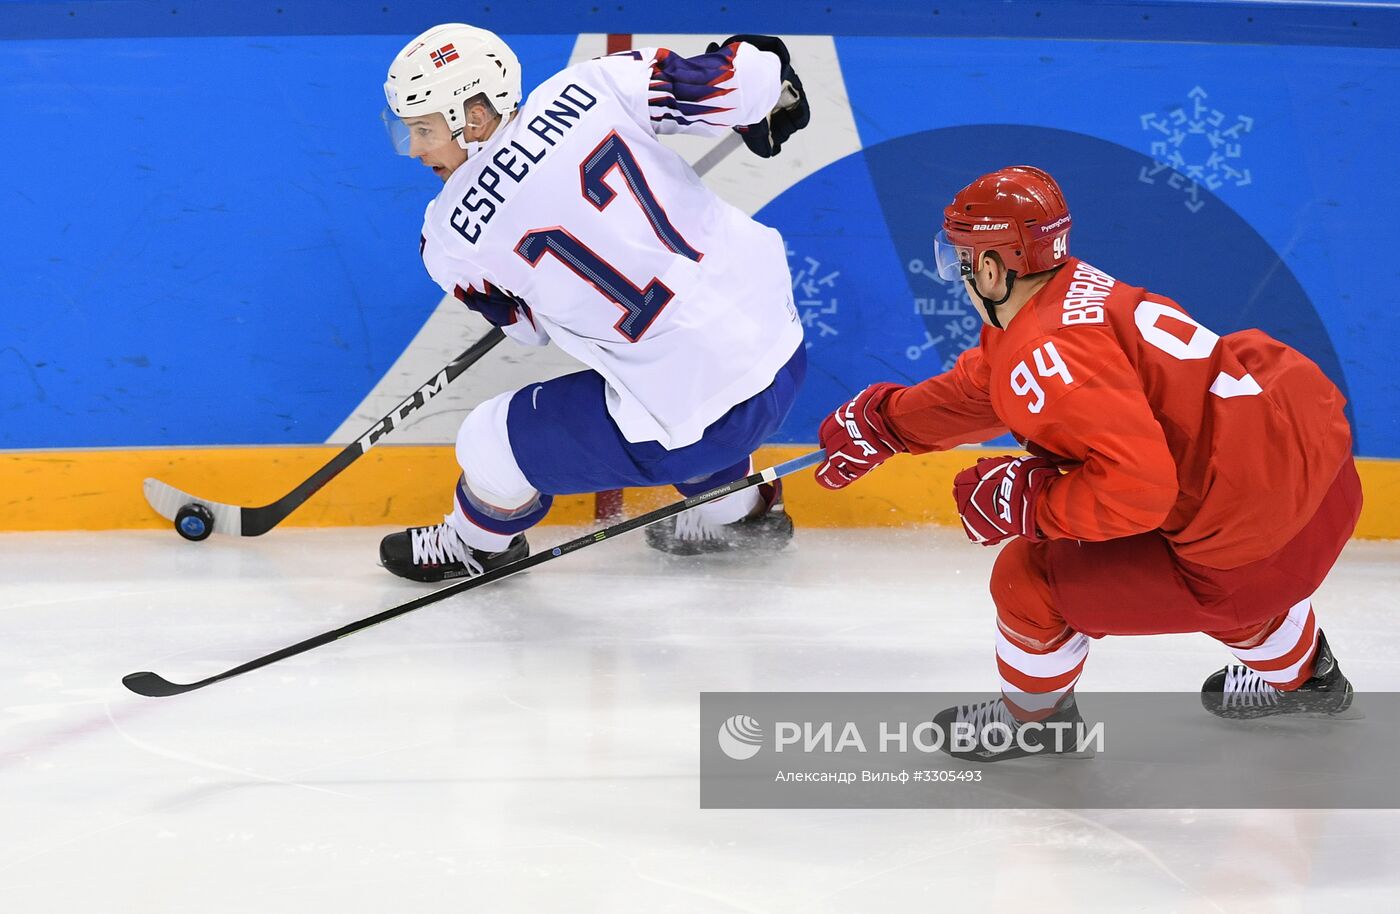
[[991, 306]]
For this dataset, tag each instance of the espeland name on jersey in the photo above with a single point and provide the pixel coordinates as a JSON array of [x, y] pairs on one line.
[[611, 247], [478, 204]]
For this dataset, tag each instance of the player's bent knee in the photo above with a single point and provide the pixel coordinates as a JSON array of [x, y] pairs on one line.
[[1020, 588], [486, 458]]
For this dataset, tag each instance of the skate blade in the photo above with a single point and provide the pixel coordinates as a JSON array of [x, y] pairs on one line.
[[1351, 713], [1078, 755]]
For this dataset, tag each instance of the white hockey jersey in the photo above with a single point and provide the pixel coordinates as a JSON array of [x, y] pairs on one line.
[[572, 223]]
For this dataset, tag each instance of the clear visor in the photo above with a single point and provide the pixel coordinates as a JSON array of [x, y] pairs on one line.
[[418, 134], [950, 257]]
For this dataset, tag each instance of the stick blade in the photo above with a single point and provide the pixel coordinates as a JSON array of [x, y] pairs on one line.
[[166, 500], [153, 685]]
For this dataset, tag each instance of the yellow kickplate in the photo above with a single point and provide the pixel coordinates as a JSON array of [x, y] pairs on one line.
[[101, 489], [412, 484]]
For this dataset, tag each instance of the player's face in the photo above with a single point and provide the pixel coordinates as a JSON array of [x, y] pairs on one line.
[[954, 262], [430, 141]]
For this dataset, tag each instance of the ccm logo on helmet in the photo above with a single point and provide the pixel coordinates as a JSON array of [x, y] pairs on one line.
[[991, 228]]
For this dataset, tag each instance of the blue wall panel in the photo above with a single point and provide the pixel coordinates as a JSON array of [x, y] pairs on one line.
[[905, 333], [206, 239], [1250, 183], [1314, 22]]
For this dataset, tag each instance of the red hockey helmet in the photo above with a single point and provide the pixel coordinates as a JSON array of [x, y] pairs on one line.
[[1019, 212]]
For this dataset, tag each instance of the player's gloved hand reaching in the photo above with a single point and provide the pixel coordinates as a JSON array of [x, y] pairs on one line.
[[791, 114], [498, 306], [857, 438], [997, 497]]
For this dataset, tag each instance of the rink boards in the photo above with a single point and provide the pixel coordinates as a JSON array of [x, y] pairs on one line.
[[101, 489], [224, 315]]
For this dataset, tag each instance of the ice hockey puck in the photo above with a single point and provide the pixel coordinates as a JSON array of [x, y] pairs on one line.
[[194, 522]]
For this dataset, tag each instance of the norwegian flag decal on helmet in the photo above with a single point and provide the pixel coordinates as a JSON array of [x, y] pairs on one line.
[[444, 55]]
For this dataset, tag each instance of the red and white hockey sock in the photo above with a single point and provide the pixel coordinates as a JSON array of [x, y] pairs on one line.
[[1034, 682], [1284, 657]]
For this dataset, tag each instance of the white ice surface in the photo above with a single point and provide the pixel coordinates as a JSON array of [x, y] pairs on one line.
[[532, 746]]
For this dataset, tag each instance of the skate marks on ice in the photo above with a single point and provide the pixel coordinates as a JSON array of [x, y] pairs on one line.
[[534, 747]]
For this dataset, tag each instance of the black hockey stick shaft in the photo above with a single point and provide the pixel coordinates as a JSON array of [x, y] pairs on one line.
[[155, 686], [257, 521]]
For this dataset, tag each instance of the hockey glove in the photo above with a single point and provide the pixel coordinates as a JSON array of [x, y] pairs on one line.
[[857, 438], [499, 307], [766, 138], [997, 497]]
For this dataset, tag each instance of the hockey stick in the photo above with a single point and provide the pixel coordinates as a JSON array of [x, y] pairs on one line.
[[169, 502], [155, 686]]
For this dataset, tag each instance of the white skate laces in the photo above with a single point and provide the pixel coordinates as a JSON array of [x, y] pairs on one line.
[[1246, 688], [987, 713], [728, 524], [440, 545], [691, 526], [707, 522]]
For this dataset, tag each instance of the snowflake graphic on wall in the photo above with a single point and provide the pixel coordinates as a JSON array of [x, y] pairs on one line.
[[949, 321], [814, 292], [1196, 144]]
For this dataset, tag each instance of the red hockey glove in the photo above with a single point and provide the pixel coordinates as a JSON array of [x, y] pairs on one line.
[[856, 438], [997, 497]]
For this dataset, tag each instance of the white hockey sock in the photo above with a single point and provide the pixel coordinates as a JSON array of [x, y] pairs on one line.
[[730, 508], [476, 537], [491, 479]]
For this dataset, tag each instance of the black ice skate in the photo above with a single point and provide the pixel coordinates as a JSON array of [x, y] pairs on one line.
[[437, 553], [1239, 693], [767, 530], [989, 732]]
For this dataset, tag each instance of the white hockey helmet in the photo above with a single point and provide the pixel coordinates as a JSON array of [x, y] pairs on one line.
[[440, 70]]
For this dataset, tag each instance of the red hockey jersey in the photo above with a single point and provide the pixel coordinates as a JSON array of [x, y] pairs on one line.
[[1225, 444]]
